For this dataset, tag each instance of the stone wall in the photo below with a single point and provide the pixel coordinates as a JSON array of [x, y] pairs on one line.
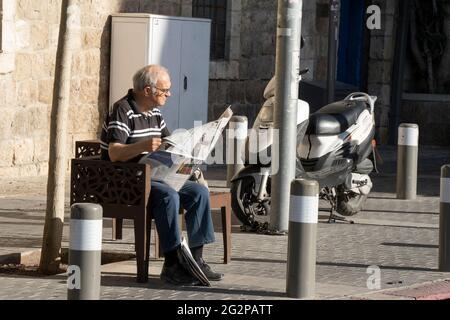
[[431, 113], [253, 61], [27, 67]]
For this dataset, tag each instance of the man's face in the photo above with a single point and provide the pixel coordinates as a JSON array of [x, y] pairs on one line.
[[160, 92]]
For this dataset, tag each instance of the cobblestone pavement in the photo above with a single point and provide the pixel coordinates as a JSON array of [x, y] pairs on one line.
[[399, 237]]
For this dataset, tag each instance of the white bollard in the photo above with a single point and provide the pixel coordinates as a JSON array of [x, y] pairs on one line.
[[85, 252], [303, 220], [407, 159], [444, 221]]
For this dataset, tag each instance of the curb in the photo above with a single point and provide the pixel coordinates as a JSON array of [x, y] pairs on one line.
[[434, 290], [32, 258], [27, 258]]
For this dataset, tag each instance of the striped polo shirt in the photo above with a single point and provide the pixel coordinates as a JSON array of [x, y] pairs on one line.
[[127, 125]]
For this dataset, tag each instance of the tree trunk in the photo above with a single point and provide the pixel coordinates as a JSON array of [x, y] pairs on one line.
[[54, 219]]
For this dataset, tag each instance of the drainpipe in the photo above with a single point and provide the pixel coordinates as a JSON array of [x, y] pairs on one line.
[[333, 37], [398, 69]]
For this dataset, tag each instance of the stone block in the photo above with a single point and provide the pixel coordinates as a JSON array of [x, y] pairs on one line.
[[92, 38], [269, 45], [6, 156], [89, 91], [45, 91], [24, 63], [7, 63], [41, 148], [237, 92], [262, 67], [235, 48], [7, 118], [32, 9], [23, 151], [39, 35], [30, 121], [92, 63], [236, 5], [84, 118], [43, 64], [379, 71], [22, 35], [254, 90], [54, 11], [27, 92]]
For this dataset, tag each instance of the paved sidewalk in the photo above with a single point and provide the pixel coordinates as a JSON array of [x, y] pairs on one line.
[[399, 237]]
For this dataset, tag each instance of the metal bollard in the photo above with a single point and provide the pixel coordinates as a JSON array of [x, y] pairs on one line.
[[407, 157], [237, 135], [444, 221], [85, 252], [303, 219]]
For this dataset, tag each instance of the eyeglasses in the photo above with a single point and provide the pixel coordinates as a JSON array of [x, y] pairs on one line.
[[164, 91]]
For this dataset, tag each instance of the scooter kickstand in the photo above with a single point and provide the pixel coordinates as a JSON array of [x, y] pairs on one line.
[[334, 218]]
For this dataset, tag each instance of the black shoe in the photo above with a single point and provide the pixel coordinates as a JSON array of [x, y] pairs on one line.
[[176, 274], [211, 275]]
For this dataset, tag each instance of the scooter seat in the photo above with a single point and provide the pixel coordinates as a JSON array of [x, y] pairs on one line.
[[335, 118]]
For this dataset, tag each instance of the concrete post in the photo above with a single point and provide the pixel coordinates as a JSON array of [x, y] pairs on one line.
[[287, 71], [85, 251], [407, 157], [303, 219], [444, 221], [237, 134]]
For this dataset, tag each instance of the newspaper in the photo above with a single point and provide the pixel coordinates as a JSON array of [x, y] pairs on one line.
[[183, 152], [189, 263]]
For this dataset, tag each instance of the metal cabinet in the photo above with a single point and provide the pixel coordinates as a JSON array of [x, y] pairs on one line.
[[180, 44]]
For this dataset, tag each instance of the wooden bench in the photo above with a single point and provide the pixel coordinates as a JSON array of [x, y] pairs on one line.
[[123, 190]]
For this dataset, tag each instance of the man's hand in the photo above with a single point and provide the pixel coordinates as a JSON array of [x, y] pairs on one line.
[[153, 144], [125, 152]]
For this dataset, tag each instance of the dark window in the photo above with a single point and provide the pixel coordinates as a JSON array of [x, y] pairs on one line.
[[216, 10]]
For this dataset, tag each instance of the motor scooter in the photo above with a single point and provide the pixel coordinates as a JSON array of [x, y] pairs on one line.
[[334, 147]]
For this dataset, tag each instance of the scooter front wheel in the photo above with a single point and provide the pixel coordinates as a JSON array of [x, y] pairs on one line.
[[245, 204]]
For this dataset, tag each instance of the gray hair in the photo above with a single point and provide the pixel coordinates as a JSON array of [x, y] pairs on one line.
[[148, 76]]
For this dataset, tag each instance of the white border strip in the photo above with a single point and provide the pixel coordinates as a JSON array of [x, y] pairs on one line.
[[304, 209], [408, 137], [445, 190], [86, 235], [239, 129]]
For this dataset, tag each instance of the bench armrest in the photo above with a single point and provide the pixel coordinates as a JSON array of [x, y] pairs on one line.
[[105, 182]]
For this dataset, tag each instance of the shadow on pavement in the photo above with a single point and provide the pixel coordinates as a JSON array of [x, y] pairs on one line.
[[118, 280], [356, 265], [410, 245]]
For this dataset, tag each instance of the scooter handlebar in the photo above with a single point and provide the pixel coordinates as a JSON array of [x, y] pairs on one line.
[[364, 97]]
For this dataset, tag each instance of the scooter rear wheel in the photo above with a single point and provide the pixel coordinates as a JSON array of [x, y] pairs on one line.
[[349, 205]]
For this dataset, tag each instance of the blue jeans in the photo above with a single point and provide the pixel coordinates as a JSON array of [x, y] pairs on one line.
[[165, 206]]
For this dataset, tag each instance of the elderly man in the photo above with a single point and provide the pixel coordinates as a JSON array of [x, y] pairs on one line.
[[134, 128]]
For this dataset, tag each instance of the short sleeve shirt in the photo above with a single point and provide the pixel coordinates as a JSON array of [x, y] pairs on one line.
[[126, 124]]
